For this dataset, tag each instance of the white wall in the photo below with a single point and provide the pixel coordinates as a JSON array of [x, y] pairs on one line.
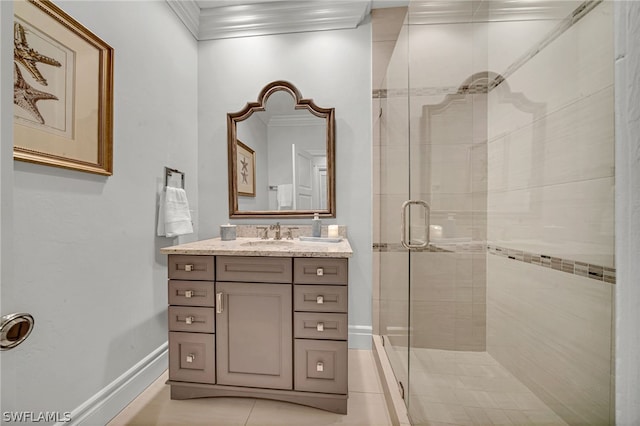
[[85, 256], [6, 171], [334, 69], [627, 53]]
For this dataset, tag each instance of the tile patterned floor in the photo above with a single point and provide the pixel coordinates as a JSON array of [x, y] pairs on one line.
[[470, 388], [366, 406]]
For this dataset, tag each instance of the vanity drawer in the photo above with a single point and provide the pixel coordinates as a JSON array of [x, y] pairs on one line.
[[320, 271], [192, 357], [254, 269], [320, 298], [192, 319], [320, 326], [191, 293], [189, 267], [320, 366]]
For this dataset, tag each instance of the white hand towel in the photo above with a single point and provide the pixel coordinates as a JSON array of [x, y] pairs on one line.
[[174, 217], [285, 195]]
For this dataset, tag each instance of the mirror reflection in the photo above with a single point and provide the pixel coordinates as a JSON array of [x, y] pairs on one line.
[[281, 156]]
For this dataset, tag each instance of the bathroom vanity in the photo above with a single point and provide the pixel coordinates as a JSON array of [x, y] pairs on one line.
[[259, 318]]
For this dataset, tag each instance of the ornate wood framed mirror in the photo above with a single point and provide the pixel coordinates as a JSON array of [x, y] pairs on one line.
[[281, 152]]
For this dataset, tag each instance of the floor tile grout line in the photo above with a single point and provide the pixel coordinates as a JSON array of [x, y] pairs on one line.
[[246, 422]]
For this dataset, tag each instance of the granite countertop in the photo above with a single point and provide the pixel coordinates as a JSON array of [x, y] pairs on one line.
[[259, 247]]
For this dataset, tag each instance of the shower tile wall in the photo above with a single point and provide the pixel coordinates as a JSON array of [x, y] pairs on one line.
[[556, 164], [550, 192]]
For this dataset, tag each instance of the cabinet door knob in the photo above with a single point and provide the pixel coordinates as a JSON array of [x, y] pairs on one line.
[[191, 358], [188, 268], [320, 272], [320, 326], [188, 294], [320, 366], [320, 300]]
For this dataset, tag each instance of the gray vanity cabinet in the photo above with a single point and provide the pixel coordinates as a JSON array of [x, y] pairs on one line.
[[254, 331], [191, 319], [253, 338], [320, 325], [261, 327]]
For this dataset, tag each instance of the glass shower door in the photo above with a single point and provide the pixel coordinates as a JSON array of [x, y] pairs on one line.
[[393, 191], [447, 171]]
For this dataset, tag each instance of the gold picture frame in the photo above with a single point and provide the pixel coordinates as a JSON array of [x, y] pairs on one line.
[[63, 91], [246, 170]]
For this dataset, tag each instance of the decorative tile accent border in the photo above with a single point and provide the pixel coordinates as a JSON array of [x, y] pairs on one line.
[[467, 247], [588, 270], [399, 248]]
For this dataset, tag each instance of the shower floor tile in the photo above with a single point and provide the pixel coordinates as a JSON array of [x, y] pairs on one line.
[[470, 388]]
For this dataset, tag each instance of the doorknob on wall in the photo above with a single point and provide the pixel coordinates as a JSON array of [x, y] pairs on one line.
[[14, 329]]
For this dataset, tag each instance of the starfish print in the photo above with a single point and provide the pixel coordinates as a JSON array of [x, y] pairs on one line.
[[245, 170], [28, 57], [26, 96]]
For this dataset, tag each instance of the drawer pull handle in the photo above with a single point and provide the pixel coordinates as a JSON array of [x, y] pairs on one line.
[[188, 268], [191, 358], [320, 300], [320, 366], [188, 294], [219, 301], [320, 272], [320, 326], [189, 320]]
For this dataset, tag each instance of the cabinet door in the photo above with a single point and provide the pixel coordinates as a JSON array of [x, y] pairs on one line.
[[254, 335]]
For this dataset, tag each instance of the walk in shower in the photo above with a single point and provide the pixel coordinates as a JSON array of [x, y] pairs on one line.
[[494, 212]]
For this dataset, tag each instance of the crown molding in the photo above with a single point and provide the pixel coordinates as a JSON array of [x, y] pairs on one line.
[[267, 17], [189, 13]]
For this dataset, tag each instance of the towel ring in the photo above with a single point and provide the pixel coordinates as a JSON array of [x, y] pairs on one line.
[[167, 174]]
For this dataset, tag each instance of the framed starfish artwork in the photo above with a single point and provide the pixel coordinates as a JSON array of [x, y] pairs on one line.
[[246, 169], [62, 90]]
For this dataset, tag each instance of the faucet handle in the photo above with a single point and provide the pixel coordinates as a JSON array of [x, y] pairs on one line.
[[277, 229], [265, 232], [288, 232]]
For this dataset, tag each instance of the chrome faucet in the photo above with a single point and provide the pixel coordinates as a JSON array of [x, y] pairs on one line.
[[277, 229], [265, 232], [289, 232]]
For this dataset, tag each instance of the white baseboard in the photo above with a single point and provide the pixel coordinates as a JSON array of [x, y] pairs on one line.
[[106, 404], [360, 336]]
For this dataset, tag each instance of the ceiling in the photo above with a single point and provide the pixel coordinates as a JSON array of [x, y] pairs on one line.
[[216, 19]]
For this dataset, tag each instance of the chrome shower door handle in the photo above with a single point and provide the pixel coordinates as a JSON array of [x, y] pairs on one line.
[[403, 224]]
